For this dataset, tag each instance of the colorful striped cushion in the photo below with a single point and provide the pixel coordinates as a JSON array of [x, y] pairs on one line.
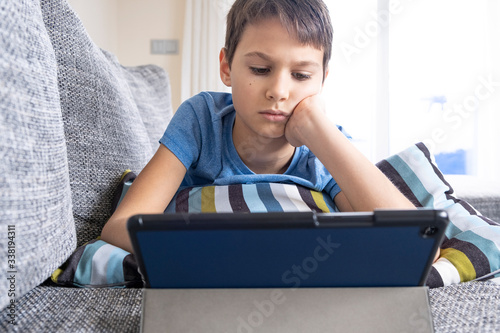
[[250, 198], [471, 249], [99, 264]]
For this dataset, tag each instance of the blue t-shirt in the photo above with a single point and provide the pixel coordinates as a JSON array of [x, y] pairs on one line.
[[200, 134]]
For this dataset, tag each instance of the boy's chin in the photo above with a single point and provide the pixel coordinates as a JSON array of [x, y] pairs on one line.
[[273, 134], [275, 139]]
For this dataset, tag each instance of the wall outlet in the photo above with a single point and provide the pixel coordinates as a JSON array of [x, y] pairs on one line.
[[164, 46]]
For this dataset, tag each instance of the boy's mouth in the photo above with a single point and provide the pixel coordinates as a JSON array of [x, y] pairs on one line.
[[275, 115]]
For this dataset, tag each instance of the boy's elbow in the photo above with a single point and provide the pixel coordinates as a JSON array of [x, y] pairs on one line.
[[115, 233]]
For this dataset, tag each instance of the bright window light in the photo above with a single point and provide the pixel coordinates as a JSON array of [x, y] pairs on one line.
[[409, 71]]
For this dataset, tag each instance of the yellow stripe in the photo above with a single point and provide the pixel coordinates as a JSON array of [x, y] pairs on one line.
[[320, 201], [56, 274], [461, 262], [208, 199], [125, 173]]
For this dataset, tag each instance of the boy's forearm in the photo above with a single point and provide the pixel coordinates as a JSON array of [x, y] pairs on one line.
[[115, 232], [364, 185]]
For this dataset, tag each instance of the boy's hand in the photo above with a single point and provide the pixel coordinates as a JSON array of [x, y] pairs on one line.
[[307, 118], [438, 254]]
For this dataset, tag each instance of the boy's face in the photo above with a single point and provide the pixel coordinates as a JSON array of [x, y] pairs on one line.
[[270, 74]]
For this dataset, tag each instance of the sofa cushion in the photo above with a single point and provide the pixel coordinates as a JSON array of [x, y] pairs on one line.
[[101, 104], [483, 194], [471, 248], [58, 309], [98, 264], [466, 307], [35, 197], [150, 88]]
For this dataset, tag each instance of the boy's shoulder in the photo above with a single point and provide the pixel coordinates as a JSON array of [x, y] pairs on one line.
[[207, 105], [211, 100]]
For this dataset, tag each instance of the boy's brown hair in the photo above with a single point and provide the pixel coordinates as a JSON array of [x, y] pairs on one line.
[[308, 20]]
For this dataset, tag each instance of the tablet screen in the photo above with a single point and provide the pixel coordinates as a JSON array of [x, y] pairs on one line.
[[295, 257]]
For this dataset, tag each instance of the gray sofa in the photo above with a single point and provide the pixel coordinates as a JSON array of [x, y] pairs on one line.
[[72, 119]]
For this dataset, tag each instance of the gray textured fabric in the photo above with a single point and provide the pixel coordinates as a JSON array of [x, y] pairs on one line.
[[150, 88], [104, 130], [489, 206], [483, 194], [55, 309], [35, 194], [468, 307]]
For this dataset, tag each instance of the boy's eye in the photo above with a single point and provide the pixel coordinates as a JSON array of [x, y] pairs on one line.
[[259, 70], [301, 76]]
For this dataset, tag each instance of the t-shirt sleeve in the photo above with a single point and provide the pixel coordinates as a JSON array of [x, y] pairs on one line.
[[183, 134], [343, 131], [332, 188]]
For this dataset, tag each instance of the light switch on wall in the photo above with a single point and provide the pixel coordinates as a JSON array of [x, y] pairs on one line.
[[164, 46]]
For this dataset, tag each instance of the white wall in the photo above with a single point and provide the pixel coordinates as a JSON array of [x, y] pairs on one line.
[[100, 18], [126, 27]]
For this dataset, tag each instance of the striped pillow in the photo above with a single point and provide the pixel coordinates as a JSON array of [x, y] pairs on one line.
[[250, 198], [99, 264], [471, 249]]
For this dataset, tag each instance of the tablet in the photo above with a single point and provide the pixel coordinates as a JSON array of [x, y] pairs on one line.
[[287, 250]]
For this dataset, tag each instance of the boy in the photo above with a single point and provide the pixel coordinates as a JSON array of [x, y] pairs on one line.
[[272, 128]]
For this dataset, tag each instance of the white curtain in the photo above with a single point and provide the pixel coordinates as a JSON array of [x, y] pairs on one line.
[[204, 33]]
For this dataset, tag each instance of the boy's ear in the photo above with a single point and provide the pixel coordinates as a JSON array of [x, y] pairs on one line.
[[224, 68], [326, 75]]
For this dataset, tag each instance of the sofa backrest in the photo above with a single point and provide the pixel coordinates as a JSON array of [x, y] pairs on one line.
[[113, 115], [37, 228], [72, 120]]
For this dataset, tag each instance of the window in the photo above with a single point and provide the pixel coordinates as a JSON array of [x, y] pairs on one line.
[[409, 71]]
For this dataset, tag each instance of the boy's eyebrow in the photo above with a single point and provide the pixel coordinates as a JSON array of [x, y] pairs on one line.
[[268, 58], [259, 55]]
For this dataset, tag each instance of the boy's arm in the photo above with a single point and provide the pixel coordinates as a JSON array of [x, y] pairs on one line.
[[150, 193], [364, 186]]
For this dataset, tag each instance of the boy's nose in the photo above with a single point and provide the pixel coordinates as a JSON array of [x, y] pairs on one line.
[[278, 89]]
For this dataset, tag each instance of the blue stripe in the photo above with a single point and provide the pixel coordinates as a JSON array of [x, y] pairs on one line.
[[411, 179], [329, 202], [114, 270], [195, 200], [267, 198], [252, 199], [126, 186], [83, 274], [489, 248], [452, 230], [281, 196], [171, 206]]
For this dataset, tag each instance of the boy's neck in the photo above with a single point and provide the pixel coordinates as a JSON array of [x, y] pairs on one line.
[[264, 155]]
